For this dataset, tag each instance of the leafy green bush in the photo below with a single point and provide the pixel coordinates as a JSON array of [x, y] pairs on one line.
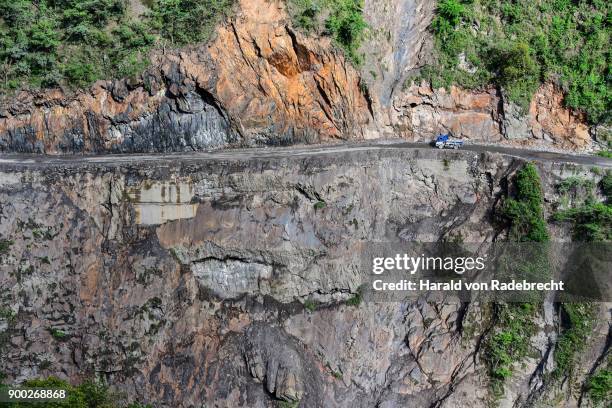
[[305, 14], [449, 16], [580, 318], [513, 324], [356, 299], [187, 21], [591, 220], [319, 205], [525, 212], [518, 72], [344, 22], [5, 245], [346, 25], [58, 334], [80, 70], [510, 344], [46, 43], [288, 404], [517, 44], [89, 394], [599, 387], [574, 184], [310, 305]]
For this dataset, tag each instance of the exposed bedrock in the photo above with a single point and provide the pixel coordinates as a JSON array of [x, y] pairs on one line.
[[226, 283], [421, 113], [258, 81], [400, 43], [261, 81]]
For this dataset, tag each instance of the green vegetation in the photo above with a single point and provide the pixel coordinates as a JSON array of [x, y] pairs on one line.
[[513, 327], [518, 44], [45, 364], [605, 153], [343, 21], [288, 404], [186, 21], [310, 305], [10, 319], [525, 212], [599, 388], [319, 205], [356, 299], [606, 186], [5, 245], [45, 43], [89, 394], [6, 313], [511, 343], [580, 320], [591, 220], [575, 184], [58, 334]]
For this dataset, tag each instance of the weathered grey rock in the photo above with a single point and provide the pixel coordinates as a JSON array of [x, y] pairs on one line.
[[237, 295], [258, 81], [230, 278], [398, 43], [515, 124]]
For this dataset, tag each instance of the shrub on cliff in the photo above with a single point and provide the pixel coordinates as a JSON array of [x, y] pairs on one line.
[[579, 319], [591, 220], [346, 25], [519, 74], [606, 186], [186, 21], [513, 323], [525, 212], [599, 387], [516, 44], [89, 394], [46, 43], [343, 21]]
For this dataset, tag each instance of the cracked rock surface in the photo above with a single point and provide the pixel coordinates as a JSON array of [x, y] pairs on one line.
[[258, 82], [261, 81], [227, 283]]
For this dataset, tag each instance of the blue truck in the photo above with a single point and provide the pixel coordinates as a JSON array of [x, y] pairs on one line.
[[445, 142]]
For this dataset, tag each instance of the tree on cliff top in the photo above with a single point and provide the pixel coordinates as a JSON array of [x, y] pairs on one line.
[[517, 44], [45, 43]]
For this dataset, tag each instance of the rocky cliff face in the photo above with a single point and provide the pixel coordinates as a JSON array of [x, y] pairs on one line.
[[400, 43], [421, 113], [227, 283], [259, 81], [262, 82]]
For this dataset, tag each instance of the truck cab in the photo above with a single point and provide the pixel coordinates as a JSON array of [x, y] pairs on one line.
[[445, 141]]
